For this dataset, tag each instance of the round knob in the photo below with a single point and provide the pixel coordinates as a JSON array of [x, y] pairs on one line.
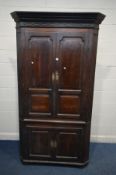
[[32, 62], [64, 68], [57, 59]]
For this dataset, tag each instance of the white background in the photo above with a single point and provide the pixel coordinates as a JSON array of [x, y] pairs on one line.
[[104, 105]]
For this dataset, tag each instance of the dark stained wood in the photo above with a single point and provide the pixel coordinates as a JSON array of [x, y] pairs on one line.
[[56, 56], [40, 61], [69, 104], [70, 60], [54, 141], [39, 143], [56, 19], [68, 143], [40, 103]]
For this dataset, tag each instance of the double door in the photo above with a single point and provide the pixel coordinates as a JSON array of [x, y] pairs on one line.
[[53, 71], [54, 142]]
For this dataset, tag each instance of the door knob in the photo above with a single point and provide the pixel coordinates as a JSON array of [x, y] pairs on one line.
[[57, 59]]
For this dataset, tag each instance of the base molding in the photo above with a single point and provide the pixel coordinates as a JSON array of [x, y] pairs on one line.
[[103, 138], [24, 161], [94, 138], [9, 136]]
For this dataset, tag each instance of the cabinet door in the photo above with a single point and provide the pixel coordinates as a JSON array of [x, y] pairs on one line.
[[36, 73], [69, 144], [69, 70], [37, 142], [51, 73], [57, 142]]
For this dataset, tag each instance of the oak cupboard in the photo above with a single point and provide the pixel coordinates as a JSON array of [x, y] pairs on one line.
[[56, 56]]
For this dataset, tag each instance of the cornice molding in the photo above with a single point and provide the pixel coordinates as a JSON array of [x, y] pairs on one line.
[[57, 19]]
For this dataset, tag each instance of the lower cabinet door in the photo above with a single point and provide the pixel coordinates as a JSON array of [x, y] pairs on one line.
[[38, 143], [69, 144], [53, 143]]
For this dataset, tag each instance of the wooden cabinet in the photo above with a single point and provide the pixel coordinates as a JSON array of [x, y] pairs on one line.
[[56, 64]]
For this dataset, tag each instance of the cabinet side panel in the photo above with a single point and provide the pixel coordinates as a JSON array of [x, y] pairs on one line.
[[88, 73], [21, 96]]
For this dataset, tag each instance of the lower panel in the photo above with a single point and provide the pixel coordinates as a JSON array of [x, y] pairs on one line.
[[39, 143], [36, 143], [56, 143]]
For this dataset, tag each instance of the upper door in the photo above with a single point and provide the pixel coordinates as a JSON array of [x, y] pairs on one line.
[[52, 72], [70, 54], [39, 51]]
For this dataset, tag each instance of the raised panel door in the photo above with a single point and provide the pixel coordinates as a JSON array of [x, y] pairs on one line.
[[38, 84], [54, 65], [38, 142], [71, 47], [69, 144]]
